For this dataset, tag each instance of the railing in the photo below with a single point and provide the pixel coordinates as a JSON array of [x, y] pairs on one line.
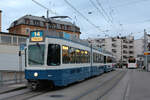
[[12, 39]]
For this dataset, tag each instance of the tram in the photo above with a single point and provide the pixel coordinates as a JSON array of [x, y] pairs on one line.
[[57, 59]]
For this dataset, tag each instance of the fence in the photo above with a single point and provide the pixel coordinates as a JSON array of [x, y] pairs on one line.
[[12, 39], [10, 77]]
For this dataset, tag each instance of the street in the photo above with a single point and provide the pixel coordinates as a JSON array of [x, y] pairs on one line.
[[133, 86]]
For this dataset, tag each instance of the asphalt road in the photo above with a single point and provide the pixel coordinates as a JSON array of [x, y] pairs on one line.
[[122, 84], [135, 85], [92, 89]]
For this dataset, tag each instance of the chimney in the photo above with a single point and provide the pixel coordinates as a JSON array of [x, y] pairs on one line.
[[0, 21]]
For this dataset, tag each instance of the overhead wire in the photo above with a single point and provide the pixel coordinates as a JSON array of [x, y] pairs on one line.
[[99, 11], [130, 3], [100, 5], [82, 15]]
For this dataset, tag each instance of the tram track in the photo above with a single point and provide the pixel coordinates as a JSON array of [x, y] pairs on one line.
[[94, 93], [22, 94], [99, 91]]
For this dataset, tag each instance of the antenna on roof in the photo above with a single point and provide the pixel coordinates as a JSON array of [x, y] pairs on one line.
[[47, 12], [45, 8]]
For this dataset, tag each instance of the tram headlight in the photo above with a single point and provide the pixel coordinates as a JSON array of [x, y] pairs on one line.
[[35, 74]]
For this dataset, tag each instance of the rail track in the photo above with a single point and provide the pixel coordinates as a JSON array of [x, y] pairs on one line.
[[95, 93], [99, 91]]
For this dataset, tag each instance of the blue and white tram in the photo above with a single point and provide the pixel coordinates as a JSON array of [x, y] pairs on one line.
[[59, 61]]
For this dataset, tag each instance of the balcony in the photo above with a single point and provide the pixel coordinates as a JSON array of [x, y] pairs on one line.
[[114, 45], [114, 50], [131, 41], [125, 57], [125, 41], [130, 47], [113, 39], [131, 52], [125, 52], [125, 46]]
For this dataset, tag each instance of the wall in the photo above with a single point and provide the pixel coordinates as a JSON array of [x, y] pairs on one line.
[[0, 20], [9, 59]]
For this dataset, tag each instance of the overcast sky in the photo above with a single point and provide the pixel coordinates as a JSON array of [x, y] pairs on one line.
[[115, 16]]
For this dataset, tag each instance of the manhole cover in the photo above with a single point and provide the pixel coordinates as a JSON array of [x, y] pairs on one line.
[[56, 96]]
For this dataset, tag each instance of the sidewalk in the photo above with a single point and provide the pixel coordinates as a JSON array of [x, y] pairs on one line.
[[135, 85], [11, 87], [140, 86]]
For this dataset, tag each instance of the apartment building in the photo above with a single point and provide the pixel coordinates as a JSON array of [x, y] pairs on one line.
[[29, 23], [121, 47]]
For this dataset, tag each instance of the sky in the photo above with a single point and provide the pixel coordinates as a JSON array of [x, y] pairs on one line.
[[106, 18]]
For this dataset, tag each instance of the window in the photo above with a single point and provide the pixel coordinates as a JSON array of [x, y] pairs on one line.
[[27, 21], [68, 27], [14, 40], [72, 55], [62, 26], [6, 39], [27, 31], [44, 24], [104, 59], [53, 57], [21, 40], [65, 54], [36, 54], [109, 59], [78, 56], [36, 22]]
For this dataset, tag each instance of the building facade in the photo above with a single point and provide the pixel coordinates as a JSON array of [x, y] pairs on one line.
[[121, 47], [28, 23]]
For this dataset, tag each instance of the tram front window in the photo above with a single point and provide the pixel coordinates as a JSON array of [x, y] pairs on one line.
[[36, 54]]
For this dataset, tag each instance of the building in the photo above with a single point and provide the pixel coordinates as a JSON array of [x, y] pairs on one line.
[[121, 47], [9, 49], [28, 23], [138, 47]]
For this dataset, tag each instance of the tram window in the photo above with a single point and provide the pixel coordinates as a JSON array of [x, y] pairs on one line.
[[36, 54], [94, 57], [82, 56], [72, 54], [65, 54], [109, 60], [53, 57], [104, 59], [89, 57], [86, 56], [78, 56]]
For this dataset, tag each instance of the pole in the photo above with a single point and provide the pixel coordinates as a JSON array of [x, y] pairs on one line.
[[121, 52], [20, 66], [47, 27], [145, 41], [145, 49]]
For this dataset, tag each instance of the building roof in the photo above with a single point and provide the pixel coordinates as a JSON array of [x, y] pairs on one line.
[[41, 19], [5, 33]]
